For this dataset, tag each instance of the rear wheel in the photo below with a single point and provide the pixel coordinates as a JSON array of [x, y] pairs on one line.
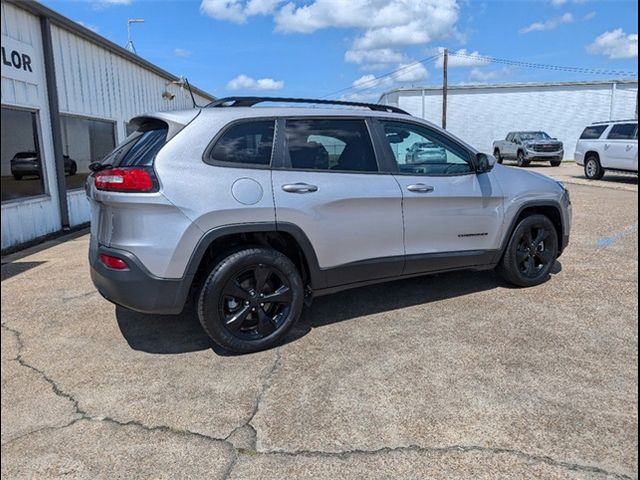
[[17, 176], [522, 161], [531, 253], [251, 300], [496, 153], [593, 168]]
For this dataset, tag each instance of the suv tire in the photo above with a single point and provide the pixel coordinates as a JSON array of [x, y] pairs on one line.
[[522, 161], [251, 299], [556, 163], [531, 252], [593, 168], [496, 153]]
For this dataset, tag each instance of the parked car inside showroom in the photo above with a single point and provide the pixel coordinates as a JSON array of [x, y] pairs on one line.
[[27, 164], [608, 146], [527, 147]]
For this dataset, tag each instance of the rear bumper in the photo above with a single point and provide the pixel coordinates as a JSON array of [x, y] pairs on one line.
[[136, 288]]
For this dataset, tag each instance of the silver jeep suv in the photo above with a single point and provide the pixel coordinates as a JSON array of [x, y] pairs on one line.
[[253, 211]]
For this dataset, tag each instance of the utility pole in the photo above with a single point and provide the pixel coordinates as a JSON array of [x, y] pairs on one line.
[[445, 86]]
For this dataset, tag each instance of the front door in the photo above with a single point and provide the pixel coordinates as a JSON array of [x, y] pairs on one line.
[[330, 186], [452, 216]]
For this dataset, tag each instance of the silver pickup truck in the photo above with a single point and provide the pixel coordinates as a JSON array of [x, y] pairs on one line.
[[527, 147]]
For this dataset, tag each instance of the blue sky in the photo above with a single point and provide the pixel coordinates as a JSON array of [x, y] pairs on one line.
[[340, 48]]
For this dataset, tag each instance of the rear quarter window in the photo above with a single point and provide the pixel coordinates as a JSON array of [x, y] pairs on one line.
[[593, 132], [141, 147], [248, 143], [623, 131]]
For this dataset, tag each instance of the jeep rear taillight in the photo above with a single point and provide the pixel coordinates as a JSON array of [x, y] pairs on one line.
[[125, 180]]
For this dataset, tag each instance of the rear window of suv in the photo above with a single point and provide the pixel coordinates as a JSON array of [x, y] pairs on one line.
[[623, 131], [141, 147], [594, 132]]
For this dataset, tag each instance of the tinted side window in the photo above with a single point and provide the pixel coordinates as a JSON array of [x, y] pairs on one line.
[[248, 143], [623, 131], [140, 148], [593, 132], [509, 137], [420, 151], [336, 145]]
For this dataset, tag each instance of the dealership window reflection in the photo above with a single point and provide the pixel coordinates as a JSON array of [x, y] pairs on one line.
[[22, 169], [84, 141]]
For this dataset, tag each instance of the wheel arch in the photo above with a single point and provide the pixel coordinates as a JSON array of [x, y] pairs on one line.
[[283, 237], [550, 209]]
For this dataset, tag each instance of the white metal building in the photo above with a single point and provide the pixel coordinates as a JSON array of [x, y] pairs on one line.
[[67, 94], [480, 114]]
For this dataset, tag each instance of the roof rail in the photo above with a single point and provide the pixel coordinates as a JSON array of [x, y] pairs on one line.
[[251, 101], [615, 121]]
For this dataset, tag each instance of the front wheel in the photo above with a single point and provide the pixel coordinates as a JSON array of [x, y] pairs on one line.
[[496, 153], [522, 160], [531, 252], [556, 163], [251, 299]]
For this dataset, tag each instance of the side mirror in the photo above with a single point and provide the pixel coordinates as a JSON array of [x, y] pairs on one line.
[[485, 163]]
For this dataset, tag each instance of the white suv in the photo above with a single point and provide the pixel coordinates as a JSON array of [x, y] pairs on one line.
[[608, 146]]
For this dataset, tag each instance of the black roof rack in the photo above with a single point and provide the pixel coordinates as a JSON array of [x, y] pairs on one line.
[[615, 121], [251, 101]]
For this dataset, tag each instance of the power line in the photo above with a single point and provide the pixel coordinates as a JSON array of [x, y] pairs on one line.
[[373, 81], [517, 63]]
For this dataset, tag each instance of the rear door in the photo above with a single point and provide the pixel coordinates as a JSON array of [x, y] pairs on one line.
[[330, 186], [452, 216], [621, 147]]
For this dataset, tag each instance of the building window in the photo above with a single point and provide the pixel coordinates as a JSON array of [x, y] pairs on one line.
[[22, 163], [84, 141]]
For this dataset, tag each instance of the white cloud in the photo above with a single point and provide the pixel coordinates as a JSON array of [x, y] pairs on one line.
[[244, 82], [182, 52], [560, 3], [374, 57], [478, 75], [589, 16], [237, 11], [93, 28], [550, 24], [405, 73], [615, 44], [462, 58]]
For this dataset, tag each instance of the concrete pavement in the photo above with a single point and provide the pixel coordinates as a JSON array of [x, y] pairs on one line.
[[452, 376]]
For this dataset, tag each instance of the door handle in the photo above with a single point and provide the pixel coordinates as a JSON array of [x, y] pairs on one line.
[[629, 147], [299, 188], [606, 146], [420, 188]]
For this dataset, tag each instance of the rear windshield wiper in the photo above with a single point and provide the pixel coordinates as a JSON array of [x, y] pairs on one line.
[[98, 166]]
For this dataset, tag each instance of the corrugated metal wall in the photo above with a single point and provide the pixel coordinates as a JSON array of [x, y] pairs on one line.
[[38, 216], [96, 83], [481, 115], [92, 82]]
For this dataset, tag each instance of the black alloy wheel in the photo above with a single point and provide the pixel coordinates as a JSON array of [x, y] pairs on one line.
[[531, 252], [251, 299], [255, 302]]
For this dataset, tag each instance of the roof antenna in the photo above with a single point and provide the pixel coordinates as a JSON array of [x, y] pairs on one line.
[[182, 82], [130, 45]]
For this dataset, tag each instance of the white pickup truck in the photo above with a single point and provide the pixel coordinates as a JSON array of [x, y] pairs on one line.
[[527, 147], [606, 146]]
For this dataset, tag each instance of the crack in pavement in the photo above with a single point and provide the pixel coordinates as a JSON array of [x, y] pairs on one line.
[[238, 452]]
